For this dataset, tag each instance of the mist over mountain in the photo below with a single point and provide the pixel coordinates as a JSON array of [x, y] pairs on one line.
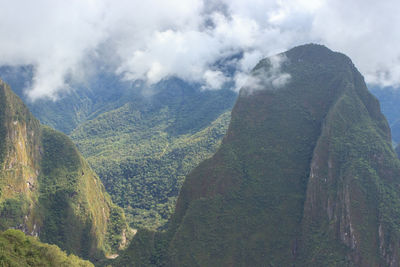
[[154, 40], [305, 176], [302, 114], [200, 133]]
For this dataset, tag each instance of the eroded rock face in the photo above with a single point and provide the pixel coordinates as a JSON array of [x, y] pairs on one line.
[[20, 165], [353, 168]]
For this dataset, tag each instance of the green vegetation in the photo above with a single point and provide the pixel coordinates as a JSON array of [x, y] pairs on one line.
[[117, 229], [306, 176], [142, 166], [3, 129], [19, 250], [79, 216], [141, 146], [12, 212], [48, 189], [143, 151]]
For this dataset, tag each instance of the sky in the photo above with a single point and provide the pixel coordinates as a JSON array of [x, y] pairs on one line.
[[195, 40]]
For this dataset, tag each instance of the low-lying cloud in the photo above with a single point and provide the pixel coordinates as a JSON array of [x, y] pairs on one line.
[[269, 76], [192, 39]]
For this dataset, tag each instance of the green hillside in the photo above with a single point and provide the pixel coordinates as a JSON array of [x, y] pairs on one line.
[[306, 176], [48, 189], [19, 250]]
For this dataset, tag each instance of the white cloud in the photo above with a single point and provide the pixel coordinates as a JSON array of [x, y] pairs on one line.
[[365, 30], [214, 79], [52, 35], [154, 39], [267, 77]]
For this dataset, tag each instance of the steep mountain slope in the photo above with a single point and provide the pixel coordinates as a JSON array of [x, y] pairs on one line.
[[306, 176], [48, 189], [20, 250]]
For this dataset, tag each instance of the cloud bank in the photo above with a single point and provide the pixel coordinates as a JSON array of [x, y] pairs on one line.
[[196, 40]]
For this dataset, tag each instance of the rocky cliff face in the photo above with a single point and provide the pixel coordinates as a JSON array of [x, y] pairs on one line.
[[48, 189], [20, 157], [306, 176]]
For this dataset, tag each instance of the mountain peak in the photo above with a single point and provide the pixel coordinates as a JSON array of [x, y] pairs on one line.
[[305, 175], [317, 54]]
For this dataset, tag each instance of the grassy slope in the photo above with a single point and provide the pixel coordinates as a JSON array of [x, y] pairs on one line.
[[254, 204], [19, 250]]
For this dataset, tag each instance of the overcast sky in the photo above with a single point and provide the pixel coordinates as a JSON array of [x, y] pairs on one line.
[[155, 39]]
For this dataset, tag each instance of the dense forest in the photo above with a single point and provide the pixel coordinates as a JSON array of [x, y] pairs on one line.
[[141, 165]]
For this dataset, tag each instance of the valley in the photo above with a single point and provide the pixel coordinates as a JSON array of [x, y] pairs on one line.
[[141, 146], [199, 133]]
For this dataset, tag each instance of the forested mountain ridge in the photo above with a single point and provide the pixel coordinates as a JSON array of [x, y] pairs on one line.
[[305, 176], [47, 189]]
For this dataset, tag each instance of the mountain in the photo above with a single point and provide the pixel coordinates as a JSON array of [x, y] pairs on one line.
[[305, 176], [47, 189], [20, 250], [141, 141], [82, 101], [389, 97]]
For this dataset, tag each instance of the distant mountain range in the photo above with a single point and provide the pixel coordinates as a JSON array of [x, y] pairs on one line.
[[389, 98]]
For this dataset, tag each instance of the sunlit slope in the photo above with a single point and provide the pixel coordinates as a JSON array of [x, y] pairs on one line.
[[48, 189]]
